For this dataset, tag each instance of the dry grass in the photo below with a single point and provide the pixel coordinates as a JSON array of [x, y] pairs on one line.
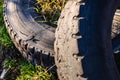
[[50, 10]]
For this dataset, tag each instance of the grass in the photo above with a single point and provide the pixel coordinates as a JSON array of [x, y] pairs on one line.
[[20, 69], [50, 10]]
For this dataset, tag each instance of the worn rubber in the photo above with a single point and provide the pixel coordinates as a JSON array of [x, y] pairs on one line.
[[66, 50], [83, 47], [34, 41]]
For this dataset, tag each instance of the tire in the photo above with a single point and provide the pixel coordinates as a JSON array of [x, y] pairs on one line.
[[35, 41], [83, 46]]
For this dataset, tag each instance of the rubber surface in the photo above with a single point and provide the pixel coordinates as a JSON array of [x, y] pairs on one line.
[[83, 47]]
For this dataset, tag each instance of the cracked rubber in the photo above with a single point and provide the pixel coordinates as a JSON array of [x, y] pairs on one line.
[[85, 53], [35, 41]]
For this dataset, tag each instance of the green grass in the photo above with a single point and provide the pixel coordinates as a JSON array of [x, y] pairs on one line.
[[50, 10], [20, 69]]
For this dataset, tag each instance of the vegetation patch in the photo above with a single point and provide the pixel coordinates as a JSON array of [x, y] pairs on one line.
[[49, 10], [20, 69]]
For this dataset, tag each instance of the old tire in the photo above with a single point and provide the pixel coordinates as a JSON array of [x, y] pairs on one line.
[[83, 46], [35, 41]]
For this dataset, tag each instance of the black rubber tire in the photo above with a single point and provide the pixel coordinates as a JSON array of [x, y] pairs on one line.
[[35, 41], [83, 46]]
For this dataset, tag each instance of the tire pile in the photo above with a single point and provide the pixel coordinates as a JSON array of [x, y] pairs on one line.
[[82, 44]]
